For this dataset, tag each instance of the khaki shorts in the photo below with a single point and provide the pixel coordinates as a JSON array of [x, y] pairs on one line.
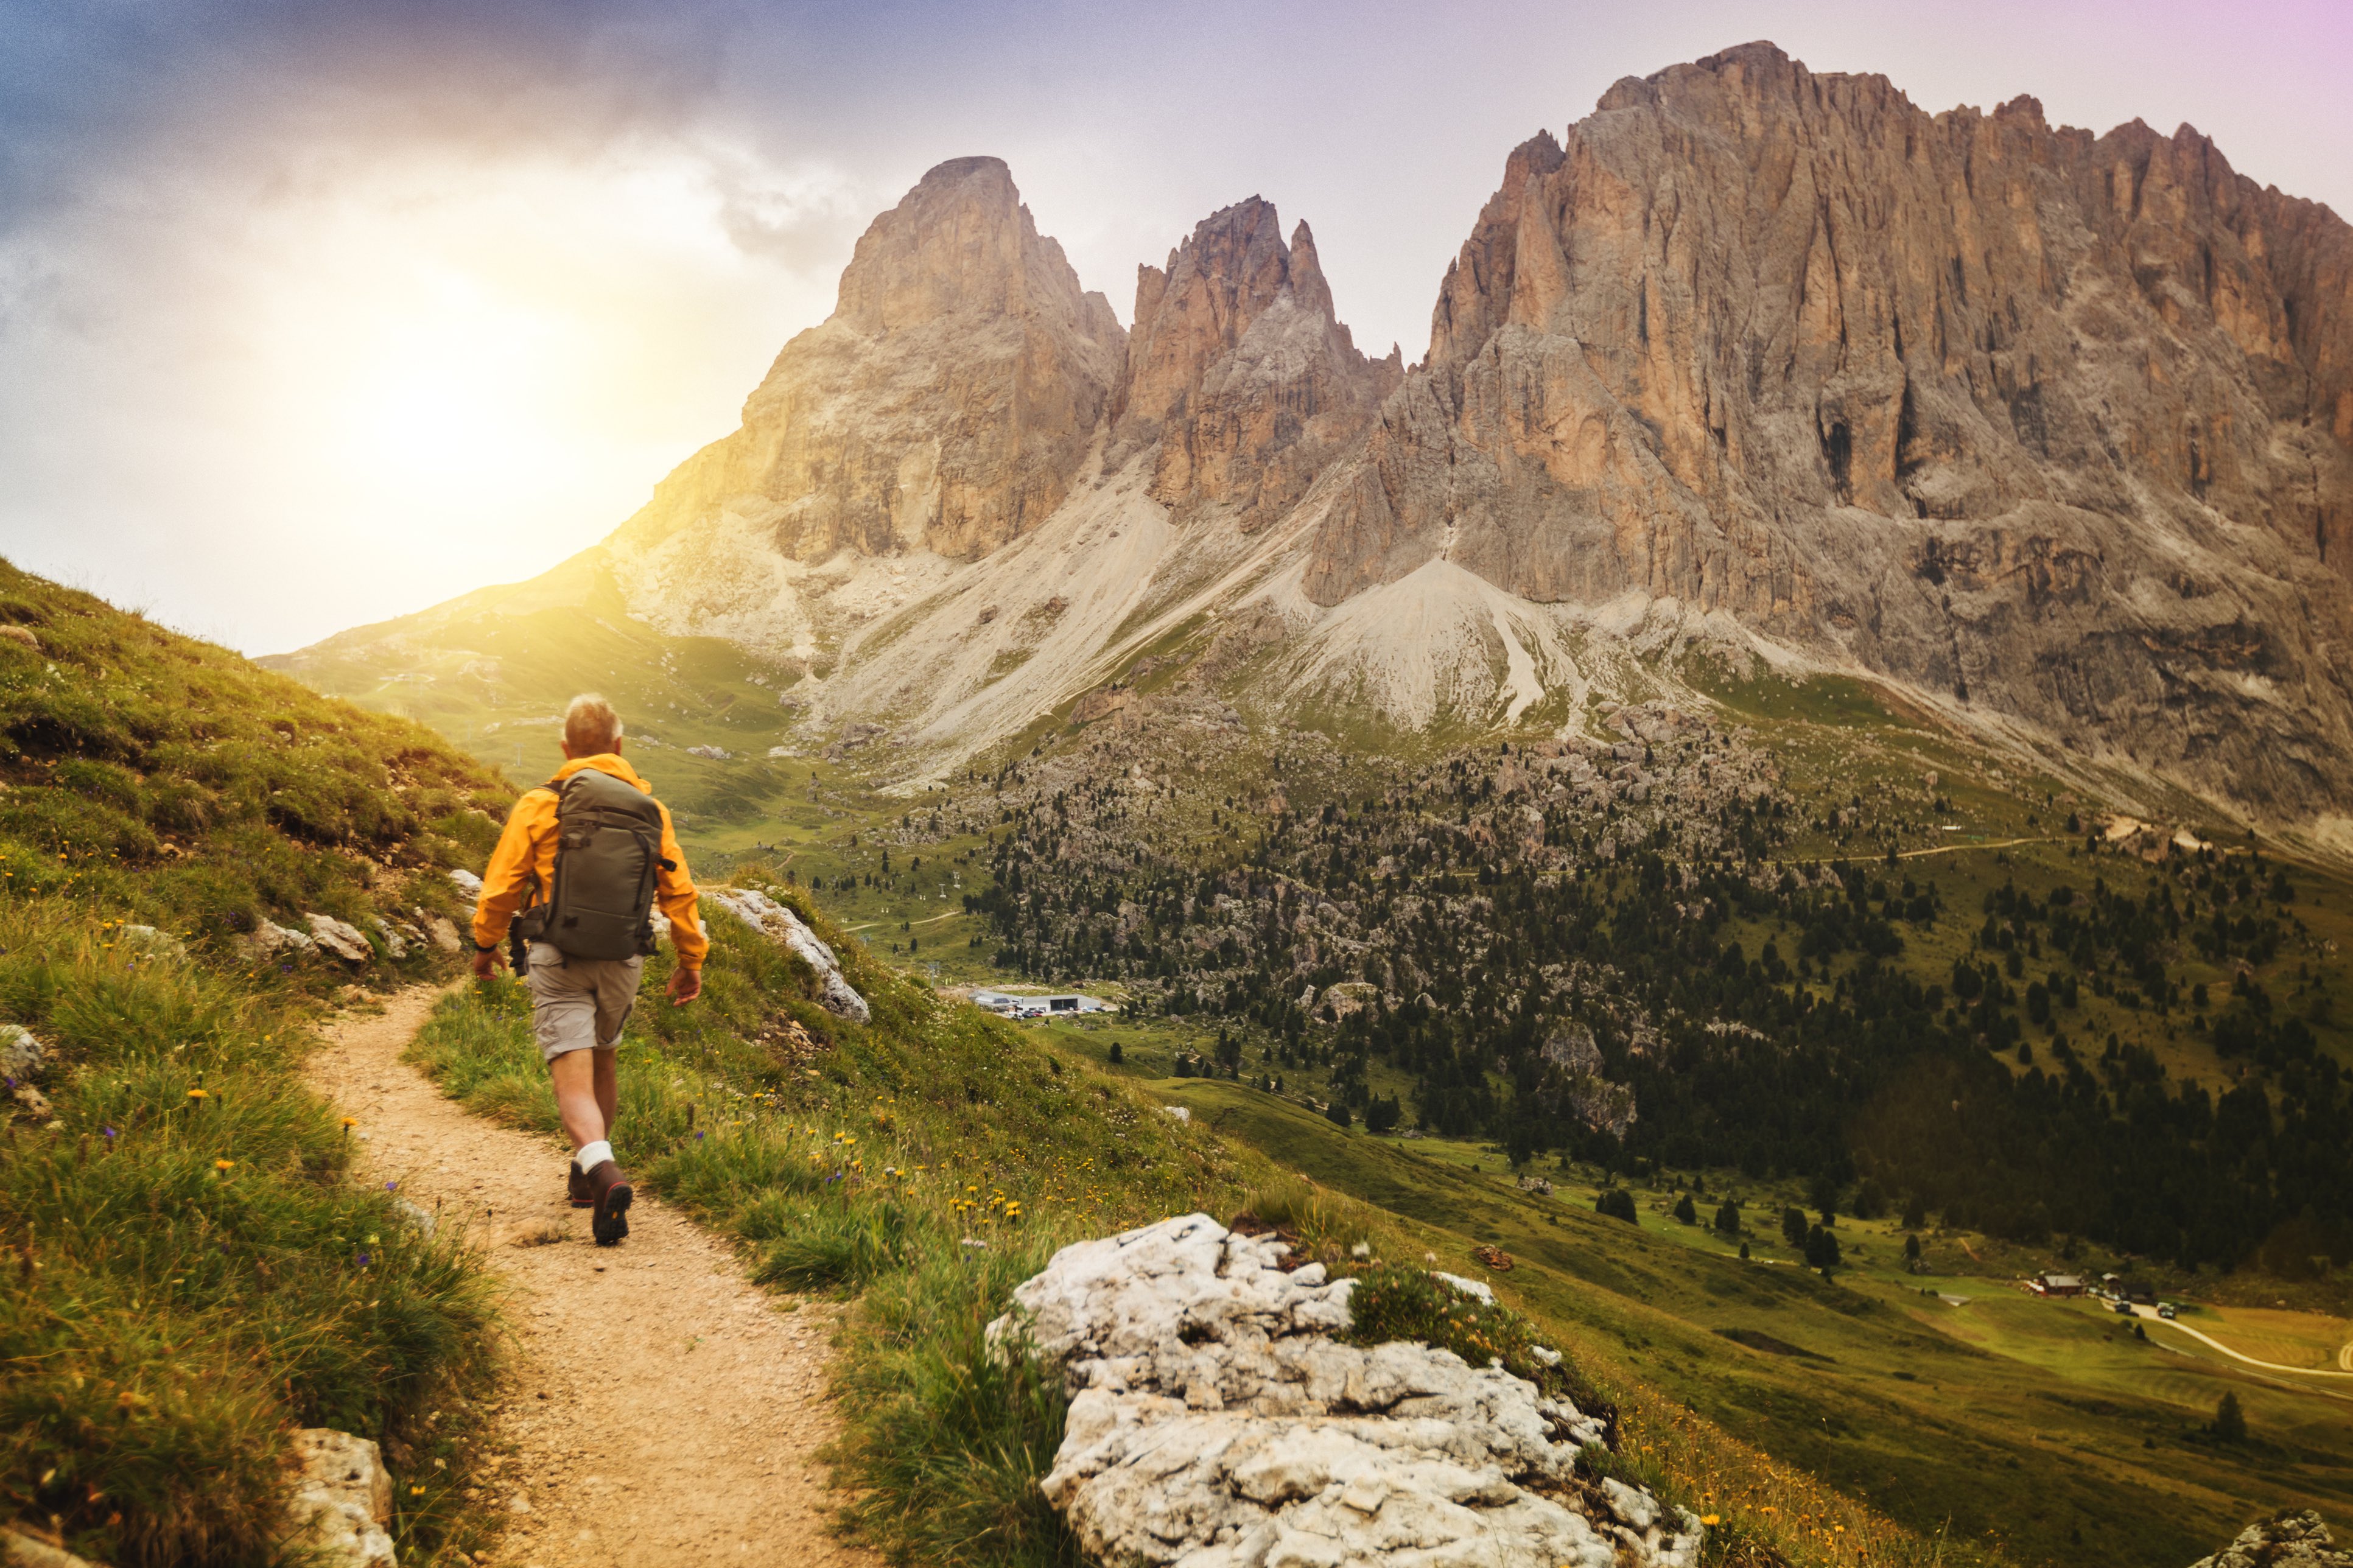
[[580, 1004]]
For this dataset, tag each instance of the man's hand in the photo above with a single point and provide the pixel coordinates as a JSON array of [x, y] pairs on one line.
[[488, 961], [685, 986]]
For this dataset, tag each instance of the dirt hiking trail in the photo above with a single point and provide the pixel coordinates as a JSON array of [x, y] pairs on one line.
[[657, 1409]]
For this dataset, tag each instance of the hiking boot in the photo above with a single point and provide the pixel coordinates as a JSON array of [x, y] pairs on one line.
[[576, 1187], [609, 1198]]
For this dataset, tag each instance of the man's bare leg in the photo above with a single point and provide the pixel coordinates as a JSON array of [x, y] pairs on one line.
[[585, 1086], [582, 1094], [609, 1087]]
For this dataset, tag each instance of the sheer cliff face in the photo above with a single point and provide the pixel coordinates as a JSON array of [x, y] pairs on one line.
[[945, 407], [2055, 424], [1239, 369]]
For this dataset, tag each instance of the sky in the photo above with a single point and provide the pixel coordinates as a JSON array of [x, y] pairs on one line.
[[315, 314]]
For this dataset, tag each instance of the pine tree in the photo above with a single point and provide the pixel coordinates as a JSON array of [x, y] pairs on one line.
[[1793, 1226], [1685, 1211], [1728, 1218], [2229, 1421]]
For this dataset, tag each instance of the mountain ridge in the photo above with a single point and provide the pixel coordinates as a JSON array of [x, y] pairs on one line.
[[2050, 433]]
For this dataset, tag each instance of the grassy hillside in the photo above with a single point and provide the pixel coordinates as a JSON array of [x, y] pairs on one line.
[[492, 671], [189, 1275]]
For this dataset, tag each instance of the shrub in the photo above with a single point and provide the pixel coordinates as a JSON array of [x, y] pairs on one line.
[[1617, 1203]]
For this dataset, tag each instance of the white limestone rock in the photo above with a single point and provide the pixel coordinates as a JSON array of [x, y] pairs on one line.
[[270, 939], [2297, 1540], [468, 883], [19, 1549], [22, 1054], [339, 937], [147, 943], [396, 946], [342, 1500], [775, 920], [1215, 1422]]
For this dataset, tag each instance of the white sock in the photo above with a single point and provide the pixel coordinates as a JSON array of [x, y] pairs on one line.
[[592, 1155]]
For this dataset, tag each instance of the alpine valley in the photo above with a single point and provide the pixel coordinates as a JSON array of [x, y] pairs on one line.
[[1820, 693]]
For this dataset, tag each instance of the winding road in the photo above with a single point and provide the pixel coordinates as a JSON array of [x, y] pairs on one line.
[[2344, 1354]]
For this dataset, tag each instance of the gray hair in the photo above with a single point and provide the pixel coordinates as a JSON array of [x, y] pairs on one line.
[[590, 725]]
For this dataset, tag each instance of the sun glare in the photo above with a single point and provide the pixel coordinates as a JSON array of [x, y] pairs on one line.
[[496, 363], [449, 390]]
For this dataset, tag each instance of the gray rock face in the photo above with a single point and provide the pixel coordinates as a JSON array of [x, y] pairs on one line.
[[18, 1549], [339, 937], [1215, 1421], [2285, 1540], [1240, 371], [148, 942], [777, 923], [342, 1500], [269, 938], [22, 1054], [2057, 425]]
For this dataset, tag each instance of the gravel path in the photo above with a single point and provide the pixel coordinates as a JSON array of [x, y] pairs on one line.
[[657, 1408]]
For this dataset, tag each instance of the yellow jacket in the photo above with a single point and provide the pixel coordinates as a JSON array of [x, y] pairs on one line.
[[524, 861]]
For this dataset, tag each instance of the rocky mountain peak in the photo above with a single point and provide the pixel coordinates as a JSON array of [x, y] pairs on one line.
[[942, 410], [1195, 310], [961, 241], [1239, 367]]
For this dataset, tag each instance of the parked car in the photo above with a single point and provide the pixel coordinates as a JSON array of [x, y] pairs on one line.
[[2165, 1309], [2121, 1309]]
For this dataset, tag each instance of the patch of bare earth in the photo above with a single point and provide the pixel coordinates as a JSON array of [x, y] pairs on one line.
[[657, 1408]]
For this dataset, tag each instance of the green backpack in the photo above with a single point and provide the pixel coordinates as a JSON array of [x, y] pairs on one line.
[[608, 835]]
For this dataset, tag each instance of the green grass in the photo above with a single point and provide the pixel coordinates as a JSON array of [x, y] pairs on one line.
[[190, 1274]]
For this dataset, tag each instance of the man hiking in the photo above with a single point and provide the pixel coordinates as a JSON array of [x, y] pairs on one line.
[[583, 859]]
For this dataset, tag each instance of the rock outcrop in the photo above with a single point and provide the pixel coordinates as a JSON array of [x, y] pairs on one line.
[[1237, 369], [777, 923], [341, 938], [944, 409], [2056, 425], [2285, 1540], [1214, 1420], [342, 1505], [20, 1550]]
